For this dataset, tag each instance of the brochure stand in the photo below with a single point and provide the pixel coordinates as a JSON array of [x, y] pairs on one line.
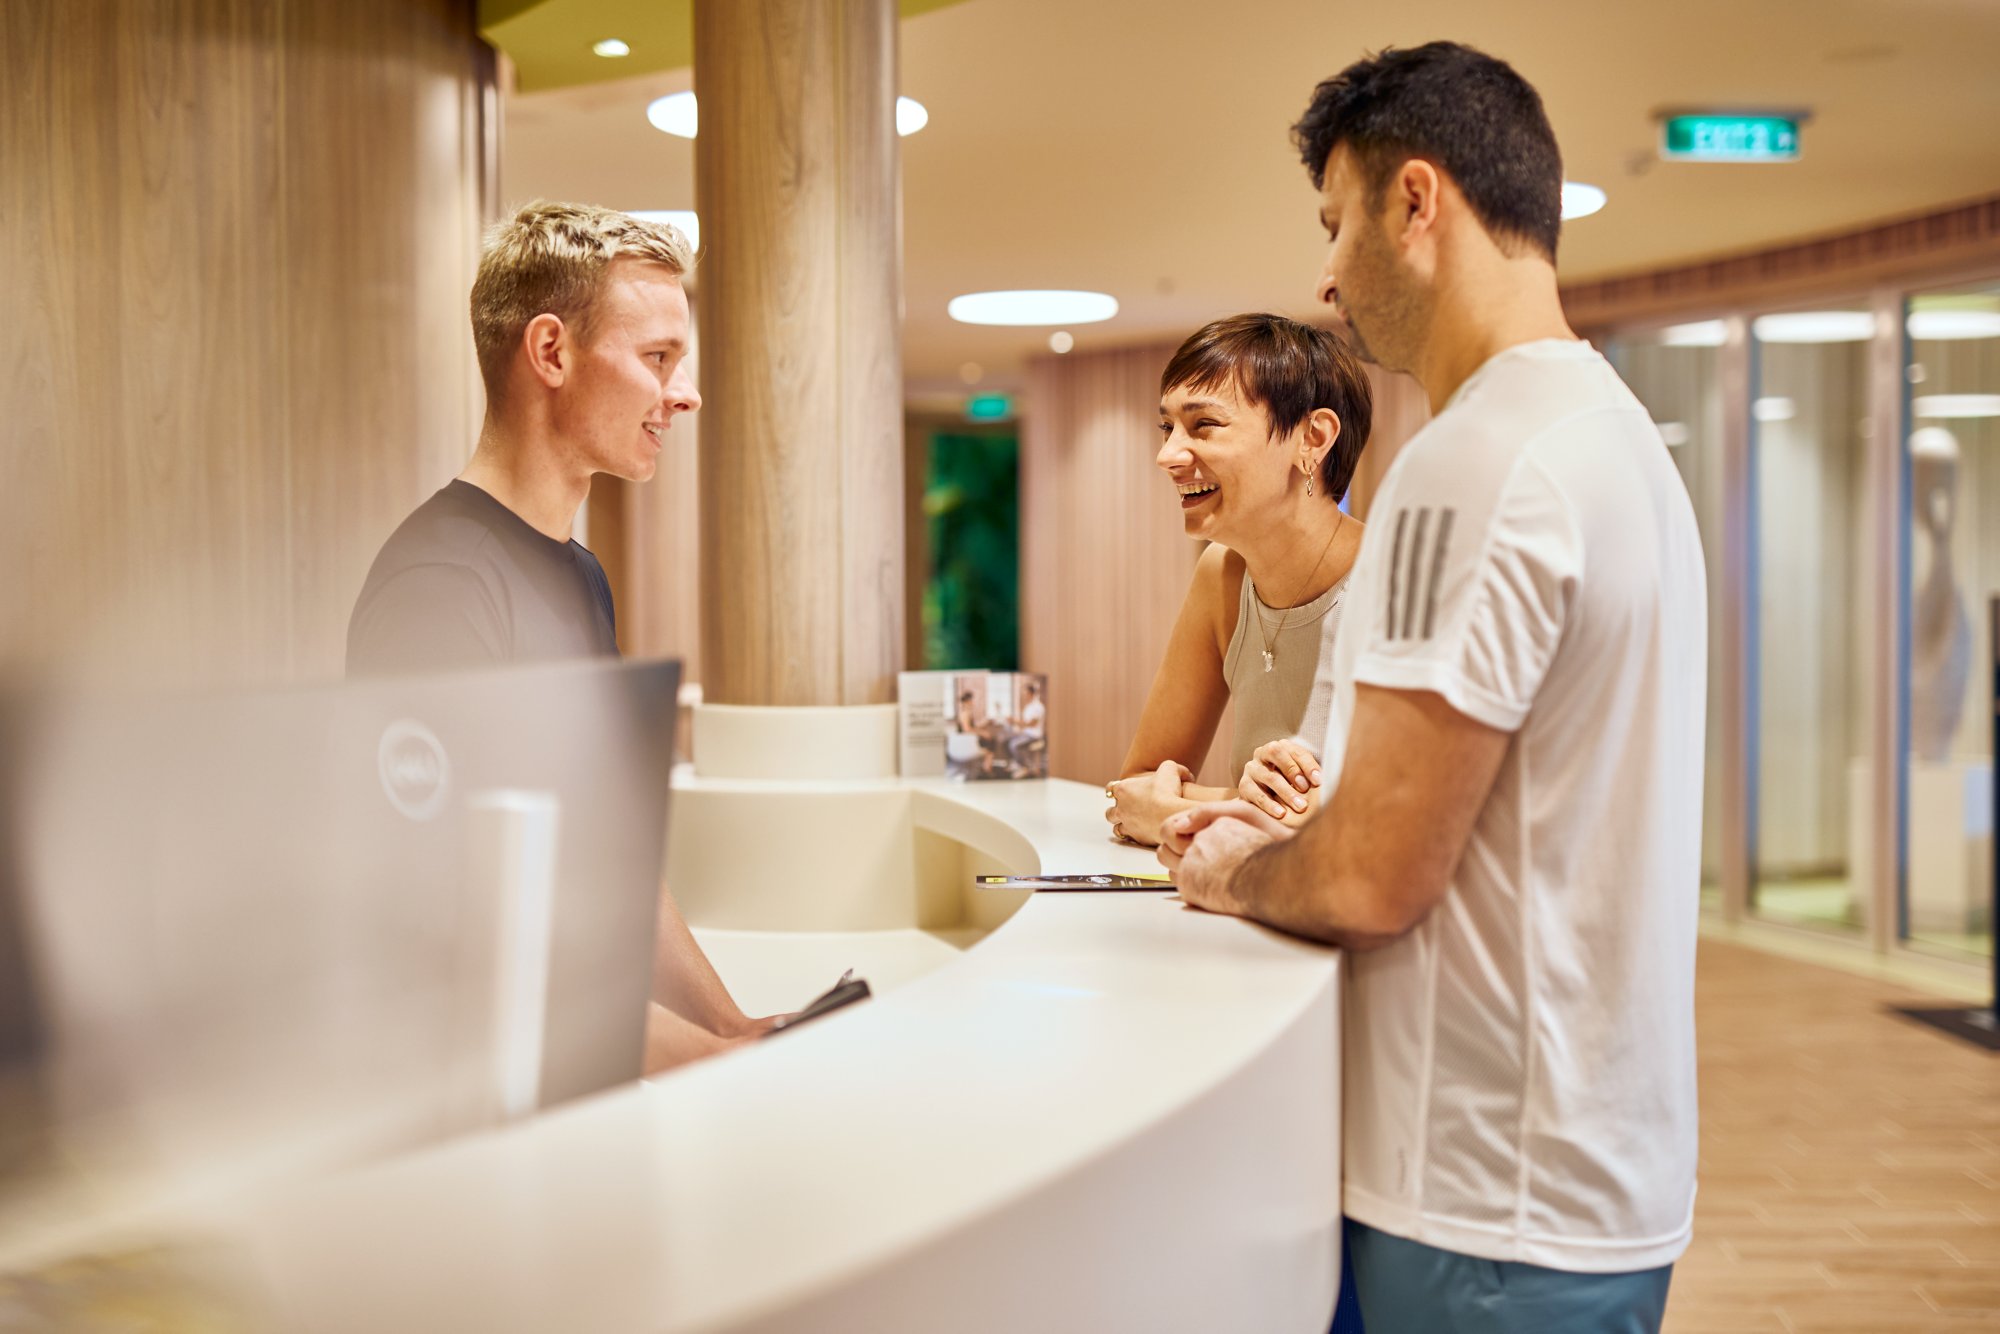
[[1980, 1024]]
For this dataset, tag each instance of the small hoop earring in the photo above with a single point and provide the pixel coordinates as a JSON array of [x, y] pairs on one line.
[[1309, 484]]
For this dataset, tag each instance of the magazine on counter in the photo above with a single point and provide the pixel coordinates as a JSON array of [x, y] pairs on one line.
[[1075, 883], [974, 726]]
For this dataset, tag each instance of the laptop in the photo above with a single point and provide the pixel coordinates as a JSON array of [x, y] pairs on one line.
[[270, 929]]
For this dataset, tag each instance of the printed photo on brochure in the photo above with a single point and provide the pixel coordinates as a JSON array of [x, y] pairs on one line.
[[974, 726]]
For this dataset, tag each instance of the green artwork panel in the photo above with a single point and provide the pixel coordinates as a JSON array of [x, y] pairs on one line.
[[972, 598]]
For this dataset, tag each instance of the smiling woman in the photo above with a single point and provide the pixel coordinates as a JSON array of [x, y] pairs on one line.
[[1261, 421]]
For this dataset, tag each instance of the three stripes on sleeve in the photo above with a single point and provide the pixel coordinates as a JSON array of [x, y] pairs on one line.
[[1416, 565]]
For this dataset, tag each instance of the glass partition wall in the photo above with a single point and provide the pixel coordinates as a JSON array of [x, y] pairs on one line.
[[1809, 425], [1843, 460], [1954, 570], [1676, 372]]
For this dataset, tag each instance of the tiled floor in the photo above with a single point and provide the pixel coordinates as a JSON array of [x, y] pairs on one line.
[[1850, 1160]]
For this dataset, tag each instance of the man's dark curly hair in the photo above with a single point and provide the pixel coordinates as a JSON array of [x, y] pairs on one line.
[[1454, 107]]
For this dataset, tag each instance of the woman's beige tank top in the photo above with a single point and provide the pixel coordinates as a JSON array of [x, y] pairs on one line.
[[1292, 697]]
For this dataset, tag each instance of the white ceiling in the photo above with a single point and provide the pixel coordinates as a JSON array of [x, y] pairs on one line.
[[1142, 148]]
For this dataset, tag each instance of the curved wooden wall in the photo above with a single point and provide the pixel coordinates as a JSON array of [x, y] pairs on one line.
[[236, 241]]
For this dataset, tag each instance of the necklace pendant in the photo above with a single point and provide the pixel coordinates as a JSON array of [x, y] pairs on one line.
[[1270, 662]]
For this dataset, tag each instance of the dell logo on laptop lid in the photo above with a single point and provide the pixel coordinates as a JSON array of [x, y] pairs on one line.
[[416, 773]]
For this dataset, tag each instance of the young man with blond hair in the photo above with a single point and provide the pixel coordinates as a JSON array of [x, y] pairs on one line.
[[1510, 848], [581, 326]]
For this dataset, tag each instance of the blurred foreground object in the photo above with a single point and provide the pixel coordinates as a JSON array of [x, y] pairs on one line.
[[252, 937]]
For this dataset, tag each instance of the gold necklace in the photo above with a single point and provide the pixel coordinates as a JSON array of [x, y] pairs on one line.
[[1270, 637]]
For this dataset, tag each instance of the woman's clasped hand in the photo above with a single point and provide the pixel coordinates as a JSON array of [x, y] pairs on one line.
[[1140, 803]]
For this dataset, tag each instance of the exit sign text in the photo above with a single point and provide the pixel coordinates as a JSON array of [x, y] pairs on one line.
[[1729, 138]]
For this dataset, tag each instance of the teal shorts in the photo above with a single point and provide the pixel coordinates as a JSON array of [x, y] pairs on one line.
[[1407, 1287]]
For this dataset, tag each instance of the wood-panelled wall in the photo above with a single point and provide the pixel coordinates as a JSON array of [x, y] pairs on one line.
[[1941, 246], [1401, 409], [236, 238], [1104, 561]]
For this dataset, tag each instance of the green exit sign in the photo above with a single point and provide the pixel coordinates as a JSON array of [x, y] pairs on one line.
[[988, 407], [1725, 137]]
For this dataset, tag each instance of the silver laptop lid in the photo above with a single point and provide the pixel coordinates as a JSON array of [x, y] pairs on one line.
[[268, 923]]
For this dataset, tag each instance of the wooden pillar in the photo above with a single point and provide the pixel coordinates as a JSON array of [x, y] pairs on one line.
[[797, 180]]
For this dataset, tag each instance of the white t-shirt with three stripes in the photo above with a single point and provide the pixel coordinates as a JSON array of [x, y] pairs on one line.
[[1520, 1074]]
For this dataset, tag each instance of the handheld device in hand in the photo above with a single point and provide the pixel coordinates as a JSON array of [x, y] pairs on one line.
[[846, 991]]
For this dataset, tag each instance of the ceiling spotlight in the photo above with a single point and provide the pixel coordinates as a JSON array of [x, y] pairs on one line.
[[676, 114], [1956, 405], [611, 48], [1580, 200], [1815, 326], [1060, 341], [682, 218], [1702, 333], [1032, 307]]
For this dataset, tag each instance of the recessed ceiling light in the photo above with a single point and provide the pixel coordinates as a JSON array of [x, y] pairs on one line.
[[1946, 324], [1580, 200], [684, 219], [1060, 341], [1956, 405], [1032, 308], [676, 114], [971, 373], [1774, 409], [1701, 333], [1815, 326], [1674, 433], [611, 48]]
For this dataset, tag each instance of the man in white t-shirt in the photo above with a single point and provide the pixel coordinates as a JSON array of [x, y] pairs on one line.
[[1034, 714], [1510, 847]]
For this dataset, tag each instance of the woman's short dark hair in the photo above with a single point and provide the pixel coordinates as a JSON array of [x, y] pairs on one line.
[[1292, 369], [1457, 108]]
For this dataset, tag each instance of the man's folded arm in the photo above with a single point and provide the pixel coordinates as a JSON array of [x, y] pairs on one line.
[[1380, 855]]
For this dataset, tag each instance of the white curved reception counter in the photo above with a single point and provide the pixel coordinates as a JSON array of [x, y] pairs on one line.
[[1110, 1113]]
